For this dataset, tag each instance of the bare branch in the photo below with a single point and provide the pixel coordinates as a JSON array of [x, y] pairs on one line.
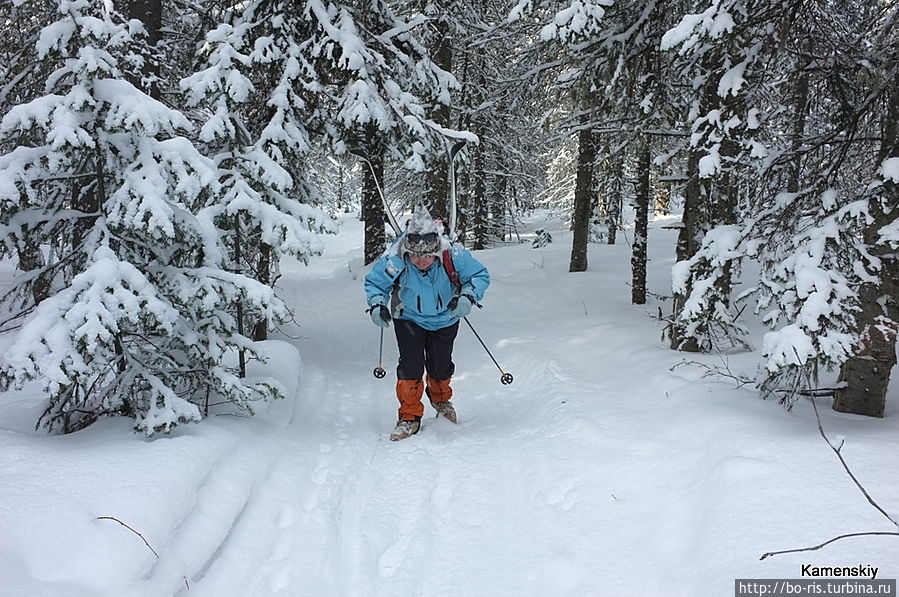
[[717, 372], [837, 451], [828, 542], [130, 529]]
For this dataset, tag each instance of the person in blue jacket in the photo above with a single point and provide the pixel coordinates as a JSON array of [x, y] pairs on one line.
[[411, 286]]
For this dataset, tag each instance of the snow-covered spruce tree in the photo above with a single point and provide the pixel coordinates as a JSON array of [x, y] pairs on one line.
[[817, 209], [261, 96], [828, 271], [726, 49], [376, 74], [865, 376], [136, 322]]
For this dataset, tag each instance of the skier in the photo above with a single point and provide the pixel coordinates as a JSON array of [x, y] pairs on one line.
[[414, 278]]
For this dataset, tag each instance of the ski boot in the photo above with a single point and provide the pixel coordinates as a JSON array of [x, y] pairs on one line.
[[445, 410], [405, 429]]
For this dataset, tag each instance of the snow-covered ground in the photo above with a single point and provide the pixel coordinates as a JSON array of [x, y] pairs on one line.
[[599, 471]]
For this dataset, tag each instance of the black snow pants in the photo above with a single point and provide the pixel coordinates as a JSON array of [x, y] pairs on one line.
[[424, 350]]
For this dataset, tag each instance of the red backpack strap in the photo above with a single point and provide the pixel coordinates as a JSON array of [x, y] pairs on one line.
[[447, 259]]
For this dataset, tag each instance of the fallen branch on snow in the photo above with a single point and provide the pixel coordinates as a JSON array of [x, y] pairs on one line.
[[142, 538], [838, 450], [828, 542], [130, 529]]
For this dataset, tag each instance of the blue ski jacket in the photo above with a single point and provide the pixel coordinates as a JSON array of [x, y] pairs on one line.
[[424, 296]]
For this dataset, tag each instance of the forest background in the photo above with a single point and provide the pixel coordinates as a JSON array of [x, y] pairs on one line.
[[158, 159]]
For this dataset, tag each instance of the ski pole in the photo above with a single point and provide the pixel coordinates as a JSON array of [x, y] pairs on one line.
[[505, 378], [379, 370]]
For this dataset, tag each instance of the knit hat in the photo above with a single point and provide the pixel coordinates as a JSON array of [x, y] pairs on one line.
[[422, 234]]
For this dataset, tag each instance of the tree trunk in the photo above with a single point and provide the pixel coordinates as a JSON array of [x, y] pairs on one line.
[[343, 204], [687, 245], [479, 199], [31, 259], [694, 222], [641, 225], [802, 107], [866, 375], [463, 202], [723, 210], [437, 191], [149, 12], [264, 275], [238, 250], [615, 196], [698, 209], [497, 207], [662, 199], [373, 214], [583, 200], [86, 199]]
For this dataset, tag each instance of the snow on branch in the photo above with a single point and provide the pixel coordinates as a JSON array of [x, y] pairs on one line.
[[711, 23]]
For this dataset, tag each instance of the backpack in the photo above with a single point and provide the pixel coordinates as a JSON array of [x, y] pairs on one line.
[[447, 258]]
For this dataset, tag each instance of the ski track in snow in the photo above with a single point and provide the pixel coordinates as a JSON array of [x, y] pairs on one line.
[[359, 515], [509, 502], [373, 517]]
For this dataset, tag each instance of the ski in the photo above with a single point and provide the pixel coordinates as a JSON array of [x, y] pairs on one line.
[[452, 181], [363, 155]]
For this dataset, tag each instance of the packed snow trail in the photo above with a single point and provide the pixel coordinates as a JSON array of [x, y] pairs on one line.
[[587, 476]]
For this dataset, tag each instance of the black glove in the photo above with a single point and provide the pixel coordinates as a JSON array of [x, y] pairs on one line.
[[380, 315]]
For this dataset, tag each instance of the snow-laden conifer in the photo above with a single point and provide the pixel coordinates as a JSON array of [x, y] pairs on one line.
[[799, 137], [258, 90], [379, 76], [122, 207], [720, 49]]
